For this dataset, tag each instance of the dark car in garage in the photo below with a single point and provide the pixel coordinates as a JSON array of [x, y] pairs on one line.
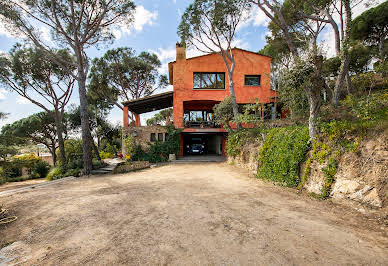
[[195, 148]]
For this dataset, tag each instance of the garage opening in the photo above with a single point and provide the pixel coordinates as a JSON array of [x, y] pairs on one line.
[[202, 144]]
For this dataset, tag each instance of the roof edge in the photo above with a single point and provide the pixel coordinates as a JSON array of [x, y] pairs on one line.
[[235, 48]]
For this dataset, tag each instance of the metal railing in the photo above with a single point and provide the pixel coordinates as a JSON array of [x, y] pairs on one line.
[[200, 124]]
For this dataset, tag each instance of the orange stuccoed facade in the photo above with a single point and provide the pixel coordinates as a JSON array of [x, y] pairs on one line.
[[247, 63]]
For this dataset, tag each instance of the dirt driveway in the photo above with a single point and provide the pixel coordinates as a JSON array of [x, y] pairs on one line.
[[197, 214]]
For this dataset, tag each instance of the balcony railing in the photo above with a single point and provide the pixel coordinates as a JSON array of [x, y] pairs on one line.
[[200, 124]]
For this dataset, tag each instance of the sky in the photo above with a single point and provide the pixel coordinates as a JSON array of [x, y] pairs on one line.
[[154, 30]]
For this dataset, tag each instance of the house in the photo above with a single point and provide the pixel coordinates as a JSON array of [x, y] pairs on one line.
[[198, 84]]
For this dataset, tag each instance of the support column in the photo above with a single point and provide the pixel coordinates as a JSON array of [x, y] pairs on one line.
[[125, 116], [137, 120]]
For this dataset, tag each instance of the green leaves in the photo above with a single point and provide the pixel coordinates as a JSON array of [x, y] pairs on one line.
[[282, 152], [121, 75], [215, 21]]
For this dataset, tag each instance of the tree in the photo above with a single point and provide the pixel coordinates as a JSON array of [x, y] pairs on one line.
[[39, 127], [7, 143], [76, 25], [121, 75], [165, 116], [292, 27], [75, 124], [223, 113], [210, 26], [30, 73], [371, 27], [325, 11], [3, 115]]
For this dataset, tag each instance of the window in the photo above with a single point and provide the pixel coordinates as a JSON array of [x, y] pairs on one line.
[[153, 137], [165, 136], [252, 80], [160, 136], [209, 81]]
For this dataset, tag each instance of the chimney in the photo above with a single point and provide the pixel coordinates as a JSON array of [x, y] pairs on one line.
[[180, 52]]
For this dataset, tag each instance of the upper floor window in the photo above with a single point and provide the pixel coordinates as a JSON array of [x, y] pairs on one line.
[[252, 80], [208, 81]]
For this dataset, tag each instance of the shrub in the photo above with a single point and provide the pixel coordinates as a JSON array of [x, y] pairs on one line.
[[106, 155], [96, 164], [237, 139], [73, 172], [55, 173], [159, 151], [129, 143], [281, 154], [2, 176], [41, 169], [73, 149]]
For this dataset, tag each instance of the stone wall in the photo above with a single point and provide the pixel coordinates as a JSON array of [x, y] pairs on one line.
[[142, 135], [131, 166], [362, 176]]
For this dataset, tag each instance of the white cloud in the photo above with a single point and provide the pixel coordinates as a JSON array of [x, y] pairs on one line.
[[3, 92], [165, 54], [4, 31], [45, 33], [22, 100], [142, 17], [256, 17]]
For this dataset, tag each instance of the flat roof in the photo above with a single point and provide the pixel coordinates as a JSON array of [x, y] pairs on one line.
[[150, 103]]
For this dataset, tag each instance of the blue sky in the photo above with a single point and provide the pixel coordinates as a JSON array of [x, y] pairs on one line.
[[154, 29]]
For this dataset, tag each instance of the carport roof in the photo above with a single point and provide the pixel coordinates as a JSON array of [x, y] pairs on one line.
[[150, 103]]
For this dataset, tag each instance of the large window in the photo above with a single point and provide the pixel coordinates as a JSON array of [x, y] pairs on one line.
[[209, 81], [252, 80]]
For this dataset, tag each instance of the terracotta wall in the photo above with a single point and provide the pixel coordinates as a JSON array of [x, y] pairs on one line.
[[247, 63]]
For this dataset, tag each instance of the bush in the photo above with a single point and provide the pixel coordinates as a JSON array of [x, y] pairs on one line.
[[55, 173], [73, 149], [41, 169], [106, 155], [281, 154], [2, 176], [237, 139], [159, 151], [73, 172]]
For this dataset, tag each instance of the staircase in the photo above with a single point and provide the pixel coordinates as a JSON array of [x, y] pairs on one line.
[[112, 164]]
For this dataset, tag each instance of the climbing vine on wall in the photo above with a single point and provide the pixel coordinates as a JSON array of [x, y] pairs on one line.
[[282, 152]]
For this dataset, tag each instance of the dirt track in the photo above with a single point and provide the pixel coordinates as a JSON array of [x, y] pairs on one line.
[[184, 214]]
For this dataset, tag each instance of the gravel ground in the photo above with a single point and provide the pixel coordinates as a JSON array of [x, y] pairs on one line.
[[184, 214]]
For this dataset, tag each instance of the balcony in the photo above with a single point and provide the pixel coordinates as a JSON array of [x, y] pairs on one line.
[[200, 124]]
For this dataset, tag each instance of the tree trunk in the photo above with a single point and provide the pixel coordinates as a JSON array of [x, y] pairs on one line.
[[314, 96], [344, 54], [315, 105], [95, 149], [86, 136], [53, 153], [58, 124], [381, 47], [230, 69], [234, 102], [341, 77]]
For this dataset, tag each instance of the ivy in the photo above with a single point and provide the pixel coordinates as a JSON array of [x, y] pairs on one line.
[[281, 154], [159, 151], [237, 139]]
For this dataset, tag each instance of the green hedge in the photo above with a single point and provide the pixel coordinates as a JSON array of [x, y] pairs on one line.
[[281, 154]]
